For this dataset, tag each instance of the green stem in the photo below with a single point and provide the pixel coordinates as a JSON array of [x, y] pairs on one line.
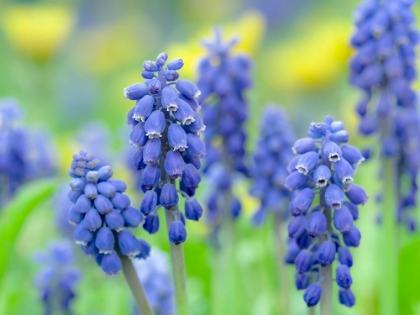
[[388, 303], [326, 271], [136, 288], [283, 272], [178, 269]]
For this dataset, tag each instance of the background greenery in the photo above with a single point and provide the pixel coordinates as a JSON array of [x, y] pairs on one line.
[[67, 63]]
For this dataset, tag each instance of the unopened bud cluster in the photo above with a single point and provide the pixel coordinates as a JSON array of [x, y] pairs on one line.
[[384, 68], [273, 153], [103, 214], [223, 79], [166, 133], [324, 166]]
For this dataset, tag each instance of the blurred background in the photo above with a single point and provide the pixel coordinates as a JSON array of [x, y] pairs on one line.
[[67, 62]]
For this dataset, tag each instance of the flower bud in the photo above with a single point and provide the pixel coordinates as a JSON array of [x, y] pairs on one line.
[[105, 241], [74, 217], [296, 181], [150, 66], [169, 99], [304, 145], [352, 237], [106, 189], [143, 108], [92, 220], [151, 223], [150, 176], [168, 196], [193, 209], [302, 201], [83, 204], [155, 125], [103, 204], [343, 276], [138, 136], [177, 137], [343, 220], [184, 114], [111, 263], [132, 217], [175, 64], [177, 232], [312, 294], [128, 244], [191, 177], [346, 297], [325, 253], [187, 88], [296, 226], [322, 175], [357, 195], [334, 196], [344, 171], [136, 91], [149, 202], [307, 162], [174, 164], [332, 151], [344, 256], [352, 154], [82, 235], [316, 224], [303, 261], [119, 184], [196, 147], [151, 151], [302, 280], [115, 220]]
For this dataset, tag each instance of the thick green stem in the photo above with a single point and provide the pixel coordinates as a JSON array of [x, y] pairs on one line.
[[388, 286], [178, 268], [283, 272], [136, 288], [326, 271]]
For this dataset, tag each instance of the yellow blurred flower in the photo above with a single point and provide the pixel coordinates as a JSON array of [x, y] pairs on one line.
[[38, 30], [314, 58], [250, 29]]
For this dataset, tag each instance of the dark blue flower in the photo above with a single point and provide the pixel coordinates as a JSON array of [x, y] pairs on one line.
[[312, 294]]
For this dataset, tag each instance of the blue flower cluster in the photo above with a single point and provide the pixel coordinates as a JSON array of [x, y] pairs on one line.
[[384, 67], [103, 214], [324, 166], [166, 133], [58, 277], [271, 157], [24, 154], [157, 283], [223, 79]]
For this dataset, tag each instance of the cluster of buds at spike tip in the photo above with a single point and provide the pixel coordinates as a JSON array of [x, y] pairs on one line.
[[384, 68], [223, 79], [103, 214], [58, 277], [166, 133], [271, 158], [324, 166]]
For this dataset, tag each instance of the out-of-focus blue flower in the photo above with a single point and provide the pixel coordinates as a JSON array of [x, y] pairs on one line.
[[384, 68], [157, 282], [24, 154], [57, 279], [166, 137], [321, 167], [272, 155], [102, 214], [223, 79]]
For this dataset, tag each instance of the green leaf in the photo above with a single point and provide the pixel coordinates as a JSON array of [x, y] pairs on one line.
[[409, 277], [15, 213]]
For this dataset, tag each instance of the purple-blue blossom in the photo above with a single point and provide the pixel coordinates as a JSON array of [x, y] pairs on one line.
[[384, 67], [166, 137], [58, 277], [102, 214], [273, 152], [326, 176]]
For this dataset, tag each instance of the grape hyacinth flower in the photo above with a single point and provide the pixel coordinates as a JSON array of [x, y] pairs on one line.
[[103, 214], [223, 79], [24, 154], [324, 166], [155, 276], [166, 133], [384, 68], [272, 155], [58, 277]]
